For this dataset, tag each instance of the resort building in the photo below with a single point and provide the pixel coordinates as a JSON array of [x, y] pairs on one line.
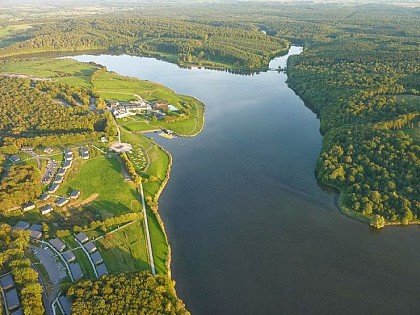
[[53, 188]]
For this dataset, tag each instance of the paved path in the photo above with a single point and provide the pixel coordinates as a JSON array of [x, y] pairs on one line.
[[46, 258], [60, 256], [149, 243], [87, 254]]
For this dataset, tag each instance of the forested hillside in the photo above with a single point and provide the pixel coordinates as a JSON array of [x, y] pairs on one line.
[[171, 39], [367, 93], [32, 112]]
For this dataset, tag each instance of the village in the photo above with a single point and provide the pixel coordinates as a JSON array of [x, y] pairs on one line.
[[63, 258]]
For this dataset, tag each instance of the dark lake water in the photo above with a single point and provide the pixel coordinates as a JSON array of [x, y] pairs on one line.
[[251, 230]]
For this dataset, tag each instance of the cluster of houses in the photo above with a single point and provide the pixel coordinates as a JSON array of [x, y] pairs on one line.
[[68, 256], [34, 229], [95, 255], [10, 295], [126, 109], [59, 202]]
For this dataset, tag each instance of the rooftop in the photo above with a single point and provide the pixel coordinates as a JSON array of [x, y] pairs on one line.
[[82, 237], [12, 299], [69, 256], [7, 282], [36, 227], [65, 303], [44, 197], [57, 244], [96, 258], [21, 225], [90, 247], [36, 234], [101, 270], [76, 271]]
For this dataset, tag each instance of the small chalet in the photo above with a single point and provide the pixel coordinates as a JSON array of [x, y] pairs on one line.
[[53, 188], [82, 237], [36, 227], [36, 234], [21, 225], [28, 206], [76, 271], [61, 171], [14, 158], [75, 194], [65, 303], [101, 270], [90, 247], [67, 164], [46, 209], [12, 299], [58, 179], [84, 153], [69, 256], [61, 201], [27, 148], [96, 258], [57, 244], [44, 197], [7, 282]]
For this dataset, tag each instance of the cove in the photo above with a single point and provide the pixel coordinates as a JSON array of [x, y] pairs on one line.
[[251, 230]]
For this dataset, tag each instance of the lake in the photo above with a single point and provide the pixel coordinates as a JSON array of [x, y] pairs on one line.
[[251, 230]]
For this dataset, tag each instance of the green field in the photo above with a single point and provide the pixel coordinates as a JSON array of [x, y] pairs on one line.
[[100, 179], [126, 249], [8, 31], [67, 71]]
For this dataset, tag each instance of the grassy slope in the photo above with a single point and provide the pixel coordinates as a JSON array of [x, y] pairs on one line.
[[63, 70], [125, 250], [102, 176]]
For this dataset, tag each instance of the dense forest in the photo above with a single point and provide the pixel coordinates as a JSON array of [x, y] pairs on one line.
[[367, 94], [34, 112], [133, 293], [176, 40]]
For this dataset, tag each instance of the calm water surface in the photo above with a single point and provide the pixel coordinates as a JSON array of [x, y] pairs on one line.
[[250, 229]]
